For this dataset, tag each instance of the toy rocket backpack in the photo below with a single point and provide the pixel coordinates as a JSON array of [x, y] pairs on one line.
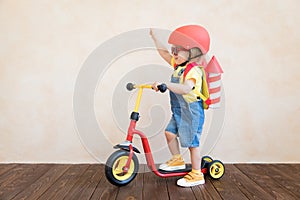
[[211, 83]]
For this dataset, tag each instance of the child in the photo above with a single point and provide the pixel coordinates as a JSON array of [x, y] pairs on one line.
[[189, 45]]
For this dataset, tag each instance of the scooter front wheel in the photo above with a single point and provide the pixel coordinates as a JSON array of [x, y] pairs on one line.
[[114, 168]]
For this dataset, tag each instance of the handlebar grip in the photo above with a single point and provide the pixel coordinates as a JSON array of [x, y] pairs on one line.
[[130, 86], [162, 87]]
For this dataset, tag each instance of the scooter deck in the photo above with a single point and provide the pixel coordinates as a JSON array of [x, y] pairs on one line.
[[188, 168]]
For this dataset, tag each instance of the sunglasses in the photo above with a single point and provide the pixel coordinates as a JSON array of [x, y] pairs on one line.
[[176, 49]]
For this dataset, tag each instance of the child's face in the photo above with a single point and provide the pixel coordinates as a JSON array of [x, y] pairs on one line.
[[180, 54]]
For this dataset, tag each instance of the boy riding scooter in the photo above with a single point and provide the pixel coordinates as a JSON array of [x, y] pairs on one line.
[[189, 45]]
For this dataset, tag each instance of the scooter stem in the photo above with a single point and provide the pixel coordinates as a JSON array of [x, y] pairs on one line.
[[138, 100]]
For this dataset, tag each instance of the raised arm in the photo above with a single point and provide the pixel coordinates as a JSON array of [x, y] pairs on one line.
[[163, 52]]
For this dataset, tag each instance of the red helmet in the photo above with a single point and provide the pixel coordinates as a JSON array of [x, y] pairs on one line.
[[191, 36]]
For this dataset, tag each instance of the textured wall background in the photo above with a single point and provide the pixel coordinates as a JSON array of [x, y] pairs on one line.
[[44, 43]]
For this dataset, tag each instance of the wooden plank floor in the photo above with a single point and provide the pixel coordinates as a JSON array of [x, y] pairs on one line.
[[53, 181]]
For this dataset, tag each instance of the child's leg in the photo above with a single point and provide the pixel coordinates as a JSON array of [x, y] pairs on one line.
[[195, 177], [172, 143], [195, 157], [176, 162]]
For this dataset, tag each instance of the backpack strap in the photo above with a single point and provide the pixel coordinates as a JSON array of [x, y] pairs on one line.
[[205, 92], [188, 68]]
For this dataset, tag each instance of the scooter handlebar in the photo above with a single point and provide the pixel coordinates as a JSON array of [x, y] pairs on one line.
[[162, 87]]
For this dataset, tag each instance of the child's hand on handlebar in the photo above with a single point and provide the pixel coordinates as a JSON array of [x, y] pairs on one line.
[[154, 86], [162, 87]]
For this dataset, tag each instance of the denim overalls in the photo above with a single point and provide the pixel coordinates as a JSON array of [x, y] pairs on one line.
[[187, 118]]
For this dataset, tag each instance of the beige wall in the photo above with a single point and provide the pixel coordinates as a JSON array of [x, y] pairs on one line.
[[43, 45]]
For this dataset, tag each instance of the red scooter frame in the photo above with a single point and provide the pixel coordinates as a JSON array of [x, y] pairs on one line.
[[122, 166], [147, 151]]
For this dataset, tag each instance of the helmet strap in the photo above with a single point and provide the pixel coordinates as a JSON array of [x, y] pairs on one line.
[[182, 64], [196, 56]]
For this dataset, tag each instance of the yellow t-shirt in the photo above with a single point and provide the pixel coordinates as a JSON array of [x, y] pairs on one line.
[[196, 74]]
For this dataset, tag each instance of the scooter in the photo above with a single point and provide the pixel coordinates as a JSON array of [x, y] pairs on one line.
[[122, 166]]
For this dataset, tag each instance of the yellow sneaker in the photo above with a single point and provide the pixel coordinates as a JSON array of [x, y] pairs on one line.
[[176, 163], [191, 179]]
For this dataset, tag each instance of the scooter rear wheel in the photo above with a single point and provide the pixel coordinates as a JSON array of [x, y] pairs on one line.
[[114, 168], [216, 169]]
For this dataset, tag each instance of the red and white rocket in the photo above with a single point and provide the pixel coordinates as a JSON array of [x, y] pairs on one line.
[[214, 72]]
